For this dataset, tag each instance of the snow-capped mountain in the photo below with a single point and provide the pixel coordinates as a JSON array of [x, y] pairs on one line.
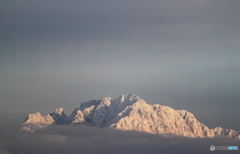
[[129, 112]]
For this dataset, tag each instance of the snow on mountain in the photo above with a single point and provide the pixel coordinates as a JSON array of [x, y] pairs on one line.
[[37, 121], [129, 112]]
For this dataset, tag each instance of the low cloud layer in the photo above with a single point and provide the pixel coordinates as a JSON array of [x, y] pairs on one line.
[[77, 139]]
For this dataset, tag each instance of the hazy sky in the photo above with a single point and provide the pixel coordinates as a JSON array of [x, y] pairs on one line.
[[184, 54]]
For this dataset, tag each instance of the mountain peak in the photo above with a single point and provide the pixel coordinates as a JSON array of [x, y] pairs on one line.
[[130, 97], [127, 98], [58, 111], [129, 112]]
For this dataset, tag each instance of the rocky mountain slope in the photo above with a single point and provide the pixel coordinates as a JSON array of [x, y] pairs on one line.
[[129, 112]]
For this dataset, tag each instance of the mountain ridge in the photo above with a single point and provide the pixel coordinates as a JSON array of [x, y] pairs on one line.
[[129, 112]]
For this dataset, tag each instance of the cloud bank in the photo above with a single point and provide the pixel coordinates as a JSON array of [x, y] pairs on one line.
[[76, 139]]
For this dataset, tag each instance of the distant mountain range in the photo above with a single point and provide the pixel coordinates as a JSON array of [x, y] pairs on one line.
[[129, 112]]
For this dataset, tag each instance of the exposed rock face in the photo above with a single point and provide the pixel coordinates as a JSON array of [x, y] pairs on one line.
[[59, 116], [129, 112]]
